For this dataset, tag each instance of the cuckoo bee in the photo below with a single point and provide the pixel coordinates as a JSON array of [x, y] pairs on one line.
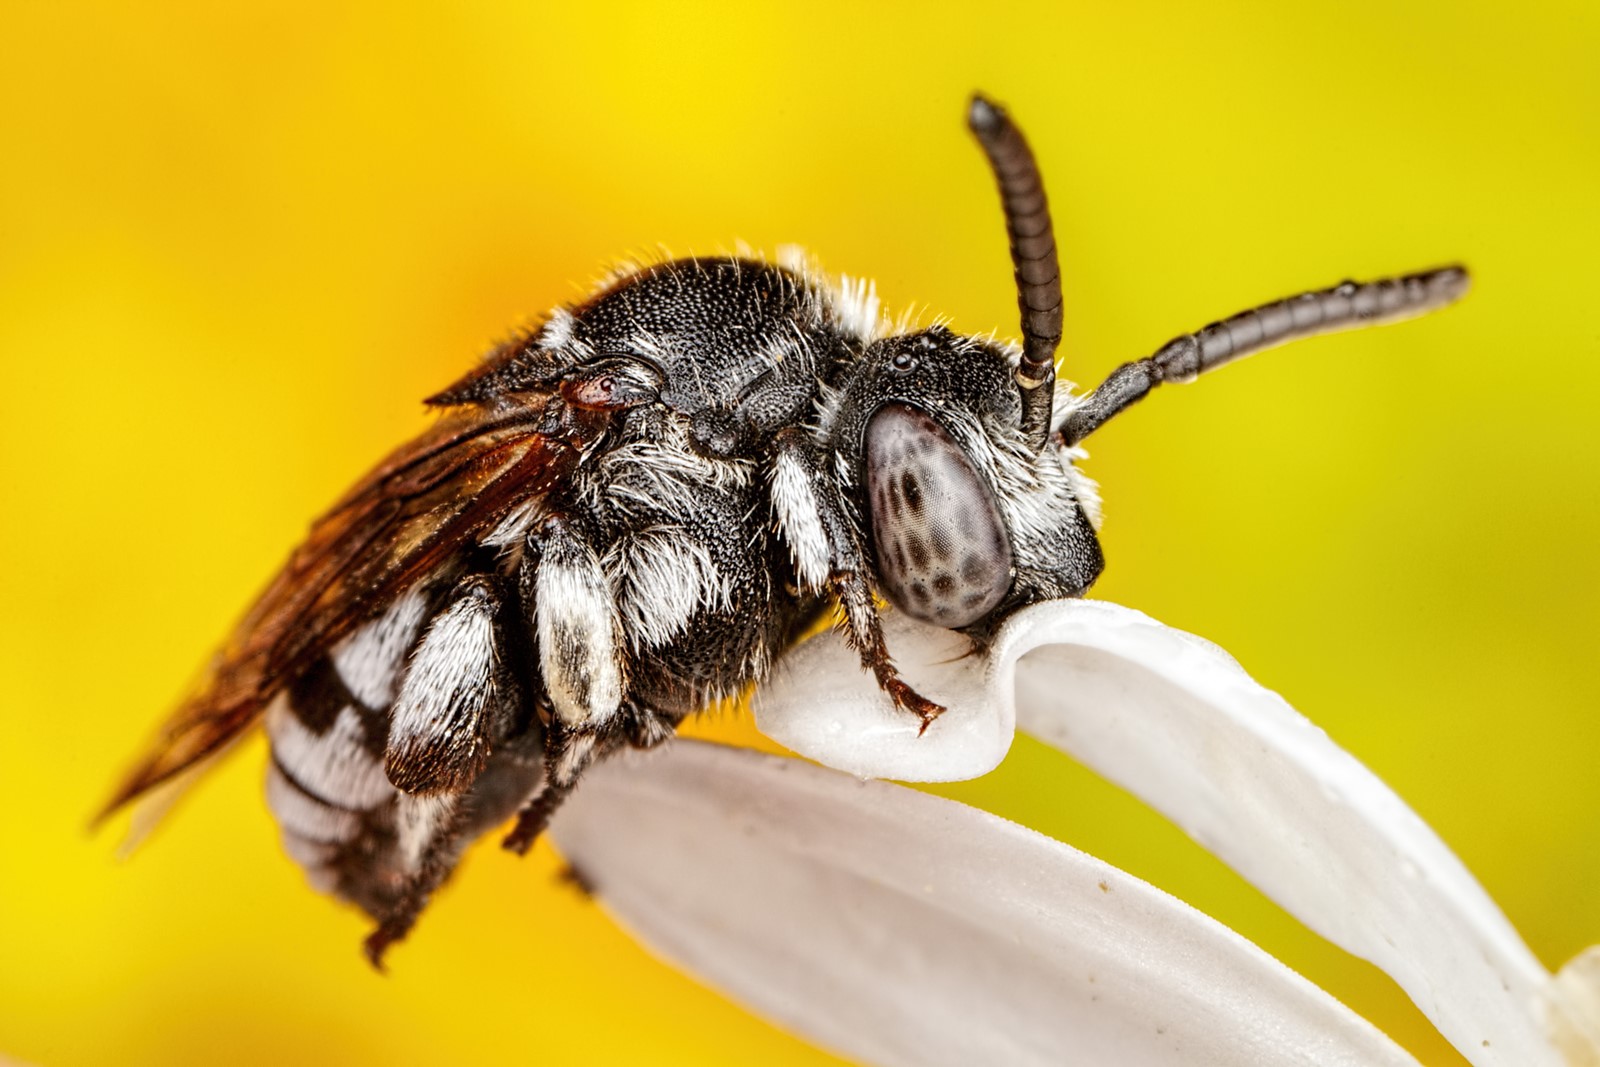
[[628, 511]]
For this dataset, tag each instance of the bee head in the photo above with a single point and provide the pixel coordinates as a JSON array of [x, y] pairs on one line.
[[967, 517], [973, 503]]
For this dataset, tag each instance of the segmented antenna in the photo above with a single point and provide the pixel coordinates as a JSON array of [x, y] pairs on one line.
[[1345, 306], [1033, 255]]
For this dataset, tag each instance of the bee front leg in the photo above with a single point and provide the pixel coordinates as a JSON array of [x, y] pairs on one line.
[[828, 558], [567, 754]]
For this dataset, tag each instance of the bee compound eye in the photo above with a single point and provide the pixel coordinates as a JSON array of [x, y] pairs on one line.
[[942, 550]]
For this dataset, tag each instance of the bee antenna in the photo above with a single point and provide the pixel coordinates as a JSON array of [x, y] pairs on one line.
[[1033, 255], [1345, 306]]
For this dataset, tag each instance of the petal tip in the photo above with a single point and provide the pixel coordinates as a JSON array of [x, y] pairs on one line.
[[822, 705]]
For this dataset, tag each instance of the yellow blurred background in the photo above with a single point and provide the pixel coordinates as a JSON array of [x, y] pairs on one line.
[[238, 244]]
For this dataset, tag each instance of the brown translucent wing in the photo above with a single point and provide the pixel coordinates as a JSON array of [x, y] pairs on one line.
[[405, 519]]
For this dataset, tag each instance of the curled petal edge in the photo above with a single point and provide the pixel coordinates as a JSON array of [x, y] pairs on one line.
[[1175, 721]]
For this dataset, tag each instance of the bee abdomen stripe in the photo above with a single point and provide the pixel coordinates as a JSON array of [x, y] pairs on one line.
[[308, 853], [305, 814], [337, 767], [316, 858], [319, 695], [309, 792], [369, 663]]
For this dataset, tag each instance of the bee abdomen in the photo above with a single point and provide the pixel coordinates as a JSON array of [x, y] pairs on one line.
[[326, 786]]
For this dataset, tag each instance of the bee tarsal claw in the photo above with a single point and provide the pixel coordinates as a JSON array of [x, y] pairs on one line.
[[908, 698], [377, 943]]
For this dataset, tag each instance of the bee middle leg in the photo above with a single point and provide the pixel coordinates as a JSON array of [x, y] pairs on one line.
[[569, 752], [578, 633]]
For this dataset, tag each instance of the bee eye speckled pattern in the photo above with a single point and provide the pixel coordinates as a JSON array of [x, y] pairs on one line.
[[943, 553]]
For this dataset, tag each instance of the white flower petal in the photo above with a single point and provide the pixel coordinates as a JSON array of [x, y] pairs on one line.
[[1174, 720], [900, 928], [1575, 1008], [821, 704], [1177, 722]]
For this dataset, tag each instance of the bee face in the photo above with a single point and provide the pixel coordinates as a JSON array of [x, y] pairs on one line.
[[969, 517]]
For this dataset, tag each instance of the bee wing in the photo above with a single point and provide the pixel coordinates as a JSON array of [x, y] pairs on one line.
[[406, 518]]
